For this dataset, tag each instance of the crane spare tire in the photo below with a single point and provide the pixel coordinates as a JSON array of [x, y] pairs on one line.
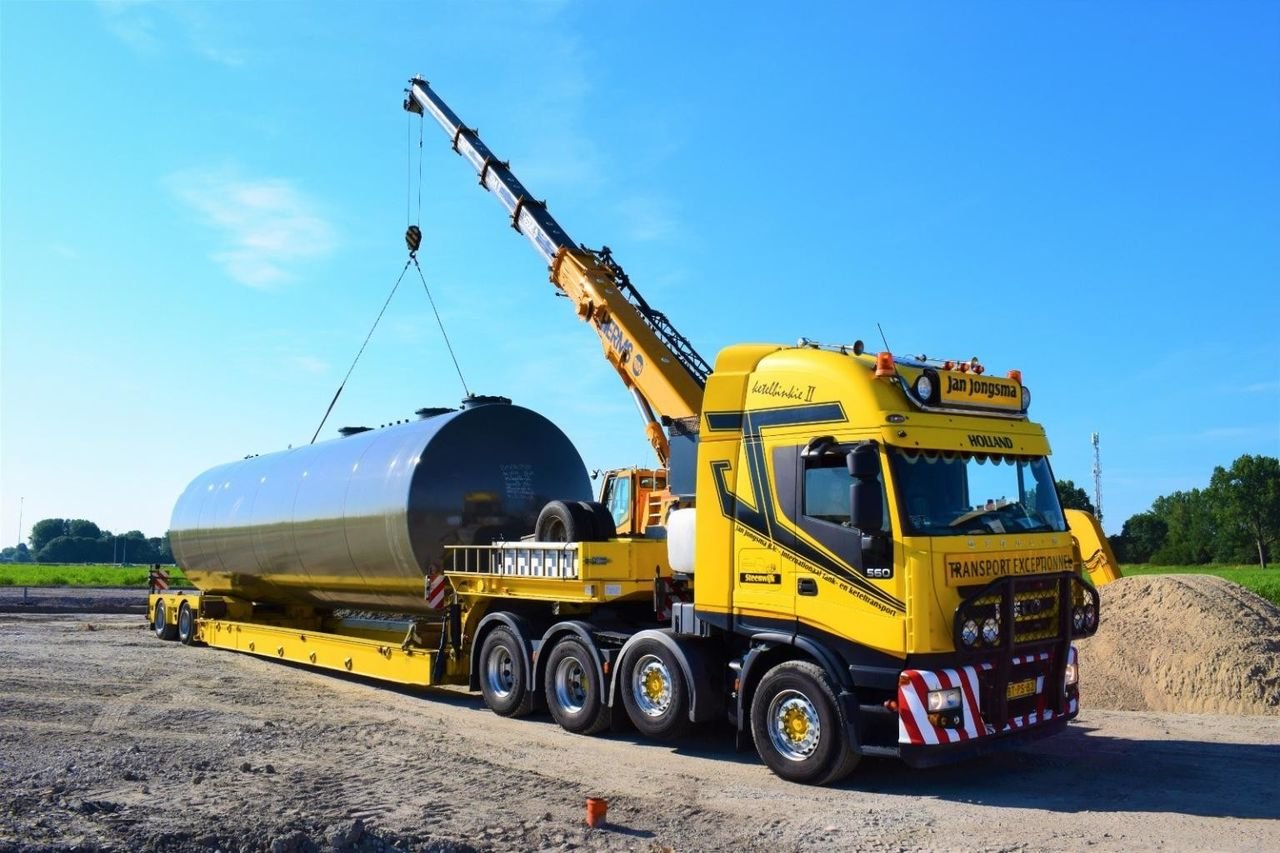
[[565, 521], [605, 526]]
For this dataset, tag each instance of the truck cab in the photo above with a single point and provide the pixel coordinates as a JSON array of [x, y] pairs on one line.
[[899, 517]]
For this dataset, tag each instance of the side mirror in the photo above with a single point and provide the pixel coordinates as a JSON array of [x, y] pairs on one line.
[[864, 462], [867, 509]]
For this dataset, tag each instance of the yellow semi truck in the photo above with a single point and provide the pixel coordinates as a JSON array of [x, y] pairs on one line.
[[855, 553]]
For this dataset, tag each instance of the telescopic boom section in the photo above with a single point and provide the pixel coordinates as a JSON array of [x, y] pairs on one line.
[[663, 371]]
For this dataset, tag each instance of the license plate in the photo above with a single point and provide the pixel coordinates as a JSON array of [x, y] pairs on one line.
[[1018, 689]]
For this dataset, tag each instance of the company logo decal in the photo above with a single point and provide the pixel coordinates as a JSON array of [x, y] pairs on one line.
[[982, 391], [996, 442], [965, 569]]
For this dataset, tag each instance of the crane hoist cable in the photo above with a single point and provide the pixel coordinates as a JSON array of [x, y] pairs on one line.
[[343, 384], [413, 240], [414, 257]]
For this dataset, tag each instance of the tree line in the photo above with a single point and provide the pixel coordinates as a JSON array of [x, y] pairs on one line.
[[1234, 519], [78, 540]]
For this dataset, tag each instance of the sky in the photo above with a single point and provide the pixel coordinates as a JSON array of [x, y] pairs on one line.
[[202, 208]]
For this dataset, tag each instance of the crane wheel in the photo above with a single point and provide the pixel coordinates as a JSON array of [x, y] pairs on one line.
[[603, 524], [565, 521]]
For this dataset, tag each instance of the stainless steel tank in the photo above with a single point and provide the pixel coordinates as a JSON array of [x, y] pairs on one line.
[[356, 522]]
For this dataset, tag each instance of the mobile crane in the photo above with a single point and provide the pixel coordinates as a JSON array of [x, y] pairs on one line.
[[855, 554]]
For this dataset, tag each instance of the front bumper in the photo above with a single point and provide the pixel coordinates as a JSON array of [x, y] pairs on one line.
[[925, 738]]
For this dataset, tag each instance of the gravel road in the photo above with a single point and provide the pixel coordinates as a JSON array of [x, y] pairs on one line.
[[112, 739]]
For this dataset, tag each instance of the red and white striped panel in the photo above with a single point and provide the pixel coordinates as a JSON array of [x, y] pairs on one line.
[[436, 588], [913, 715]]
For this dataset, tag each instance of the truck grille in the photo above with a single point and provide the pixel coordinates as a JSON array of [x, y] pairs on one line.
[[1025, 610]]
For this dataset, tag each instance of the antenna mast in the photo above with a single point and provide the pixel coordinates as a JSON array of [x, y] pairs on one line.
[[1097, 477]]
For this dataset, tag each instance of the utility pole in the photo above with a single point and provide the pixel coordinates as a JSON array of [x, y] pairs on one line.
[[1097, 476], [20, 502]]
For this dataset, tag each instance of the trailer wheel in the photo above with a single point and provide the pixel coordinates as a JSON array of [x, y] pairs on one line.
[[654, 691], [575, 694], [798, 727], [565, 521], [504, 681], [186, 625], [160, 623]]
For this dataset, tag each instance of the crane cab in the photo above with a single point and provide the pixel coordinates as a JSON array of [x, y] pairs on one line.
[[637, 498]]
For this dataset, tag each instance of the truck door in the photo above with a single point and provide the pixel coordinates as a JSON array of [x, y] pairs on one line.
[[764, 581], [828, 538]]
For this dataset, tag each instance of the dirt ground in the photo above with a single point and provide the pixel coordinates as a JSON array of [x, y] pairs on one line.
[[112, 739]]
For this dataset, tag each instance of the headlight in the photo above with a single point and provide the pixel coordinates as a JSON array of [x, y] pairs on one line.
[[1090, 617], [969, 632], [927, 386], [1073, 675], [990, 631], [944, 700], [1026, 398], [1077, 618]]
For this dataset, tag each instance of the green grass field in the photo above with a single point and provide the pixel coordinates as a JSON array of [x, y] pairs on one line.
[[1263, 582], [35, 574]]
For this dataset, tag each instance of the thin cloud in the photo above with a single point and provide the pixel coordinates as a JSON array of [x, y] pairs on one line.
[[1238, 432], [268, 227], [310, 364], [132, 22], [1265, 387], [647, 219], [150, 27]]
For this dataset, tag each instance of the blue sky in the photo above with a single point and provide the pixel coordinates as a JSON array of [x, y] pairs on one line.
[[201, 210]]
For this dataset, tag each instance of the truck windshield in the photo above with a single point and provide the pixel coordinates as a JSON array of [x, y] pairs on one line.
[[961, 494]]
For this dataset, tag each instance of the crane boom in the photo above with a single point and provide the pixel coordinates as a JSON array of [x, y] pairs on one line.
[[656, 363]]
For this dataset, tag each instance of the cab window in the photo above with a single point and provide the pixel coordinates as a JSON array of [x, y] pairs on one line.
[[826, 491], [619, 500]]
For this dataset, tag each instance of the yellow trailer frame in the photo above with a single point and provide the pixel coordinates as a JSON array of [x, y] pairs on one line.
[[379, 659]]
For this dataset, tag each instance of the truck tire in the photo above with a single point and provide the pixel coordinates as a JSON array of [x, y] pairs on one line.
[[160, 623], [603, 524], [798, 726], [564, 521], [186, 625], [574, 689], [654, 691], [504, 678]]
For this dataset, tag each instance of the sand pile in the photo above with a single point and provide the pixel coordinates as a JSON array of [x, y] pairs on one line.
[[1189, 643]]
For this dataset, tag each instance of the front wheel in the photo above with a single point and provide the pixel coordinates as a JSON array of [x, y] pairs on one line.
[[798, 727], [654, 691], [574, 689]]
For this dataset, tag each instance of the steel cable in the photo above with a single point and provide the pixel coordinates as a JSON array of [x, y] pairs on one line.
[[394, 287]]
